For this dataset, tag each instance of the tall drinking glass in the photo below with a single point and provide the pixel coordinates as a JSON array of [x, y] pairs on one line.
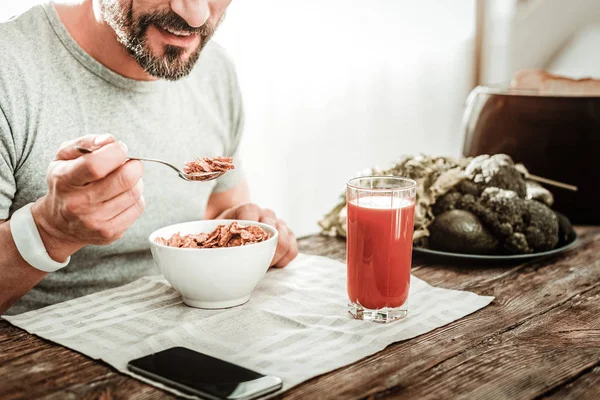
[[380, 227]]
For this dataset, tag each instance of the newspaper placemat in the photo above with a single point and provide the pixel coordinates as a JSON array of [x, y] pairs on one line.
[[295, 317]]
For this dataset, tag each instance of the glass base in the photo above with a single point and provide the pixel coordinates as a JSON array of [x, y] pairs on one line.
[[383, 315]]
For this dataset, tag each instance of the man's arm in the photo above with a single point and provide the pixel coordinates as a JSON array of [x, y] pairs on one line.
[[221, 201], [17, 277], [91, 199]]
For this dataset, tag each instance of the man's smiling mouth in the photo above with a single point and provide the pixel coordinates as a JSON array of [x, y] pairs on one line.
[[177, 32]]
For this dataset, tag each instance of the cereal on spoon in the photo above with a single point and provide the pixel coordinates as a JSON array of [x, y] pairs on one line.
[[202, 165]]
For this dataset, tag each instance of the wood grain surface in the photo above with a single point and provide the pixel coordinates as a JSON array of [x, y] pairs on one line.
[[540, 338]]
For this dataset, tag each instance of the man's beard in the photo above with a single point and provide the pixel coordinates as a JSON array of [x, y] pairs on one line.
[[131, 32]]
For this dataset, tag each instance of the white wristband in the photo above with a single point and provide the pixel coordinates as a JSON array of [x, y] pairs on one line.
[[29, 243]]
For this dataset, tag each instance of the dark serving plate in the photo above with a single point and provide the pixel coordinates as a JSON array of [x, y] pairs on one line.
[[566, 246]]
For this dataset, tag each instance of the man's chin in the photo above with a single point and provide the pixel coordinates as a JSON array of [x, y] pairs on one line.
[[171, 64], [163, 60]]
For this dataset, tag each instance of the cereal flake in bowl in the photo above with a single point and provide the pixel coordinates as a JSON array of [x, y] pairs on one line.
[[214, 263]]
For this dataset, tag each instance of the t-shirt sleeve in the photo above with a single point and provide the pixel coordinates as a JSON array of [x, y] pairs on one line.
[[236, 126], [8, 185]]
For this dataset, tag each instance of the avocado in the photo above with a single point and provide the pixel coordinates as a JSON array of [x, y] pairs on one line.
[[460, 231], [566, 233]]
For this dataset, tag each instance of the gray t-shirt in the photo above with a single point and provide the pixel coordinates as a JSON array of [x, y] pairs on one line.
[[52, 91]]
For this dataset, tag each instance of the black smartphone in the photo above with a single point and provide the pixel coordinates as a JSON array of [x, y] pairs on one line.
[[205, 376]]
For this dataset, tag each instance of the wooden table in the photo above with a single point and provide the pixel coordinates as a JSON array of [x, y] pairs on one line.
[[540, 338]]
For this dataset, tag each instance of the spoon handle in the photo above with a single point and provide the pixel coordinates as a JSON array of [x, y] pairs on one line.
[[87, 151], [193, 177], [157, 161], [552, 182]]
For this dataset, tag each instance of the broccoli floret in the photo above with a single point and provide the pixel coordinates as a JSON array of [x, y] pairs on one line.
[[542, 228], [503, 211], [517, 244], [495, 171], [469, 187], [446, 203], [521, 225]]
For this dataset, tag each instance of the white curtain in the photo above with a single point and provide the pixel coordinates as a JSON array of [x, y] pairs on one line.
[[335, 86]]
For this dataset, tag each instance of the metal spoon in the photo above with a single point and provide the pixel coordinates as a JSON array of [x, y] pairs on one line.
[[551, 182], [196, 177], [539, 179]]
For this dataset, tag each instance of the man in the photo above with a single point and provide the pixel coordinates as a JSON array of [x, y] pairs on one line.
[[552, 84], [99, 74]]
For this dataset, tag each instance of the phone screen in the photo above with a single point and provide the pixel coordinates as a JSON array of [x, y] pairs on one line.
[[196, 373]]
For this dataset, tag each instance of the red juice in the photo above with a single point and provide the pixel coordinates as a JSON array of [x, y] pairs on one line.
[[379, 248]]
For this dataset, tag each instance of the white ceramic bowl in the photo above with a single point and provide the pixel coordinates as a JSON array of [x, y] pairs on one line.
[[213, 278]]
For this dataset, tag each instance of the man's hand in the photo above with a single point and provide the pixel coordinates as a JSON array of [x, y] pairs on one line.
[[92, 198], [287, 247], [547, 83]]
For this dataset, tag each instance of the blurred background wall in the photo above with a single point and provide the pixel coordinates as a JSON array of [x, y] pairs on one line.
[[560, 36], [333, 87]]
